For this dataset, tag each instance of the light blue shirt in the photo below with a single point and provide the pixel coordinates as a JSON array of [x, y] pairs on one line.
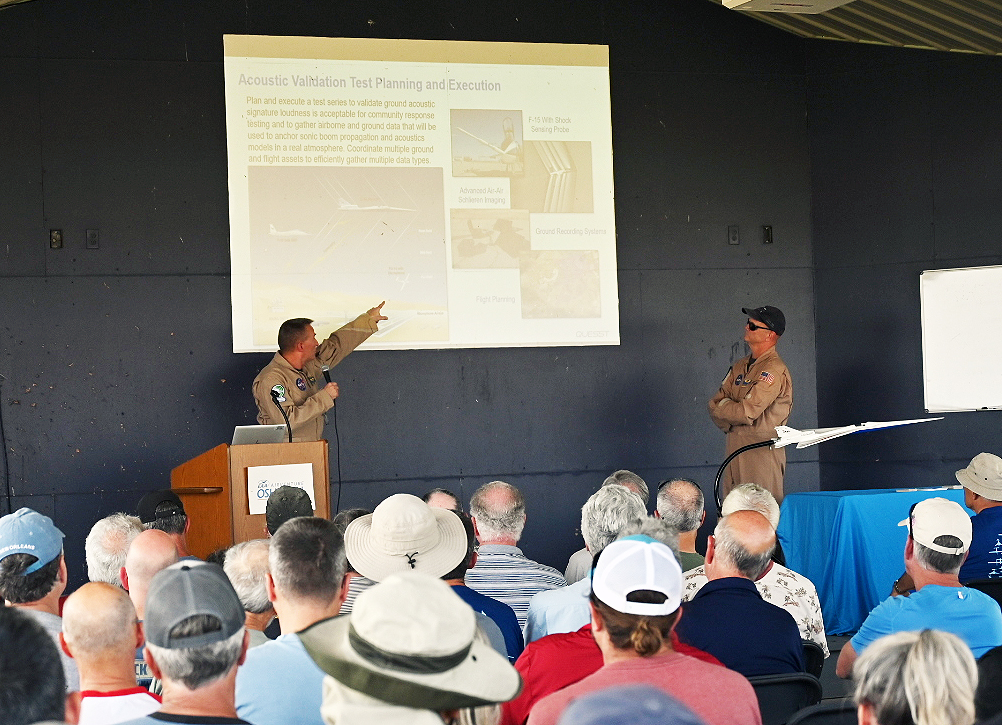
[[967, 613], [278, 684], [558, 610]]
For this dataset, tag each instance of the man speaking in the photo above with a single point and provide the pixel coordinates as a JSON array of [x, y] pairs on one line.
[[295, 379], [755, 396]]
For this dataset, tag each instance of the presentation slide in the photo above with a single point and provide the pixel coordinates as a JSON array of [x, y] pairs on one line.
[[469, 185]]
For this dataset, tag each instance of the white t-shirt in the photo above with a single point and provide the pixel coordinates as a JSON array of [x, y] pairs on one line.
[[107, 708]]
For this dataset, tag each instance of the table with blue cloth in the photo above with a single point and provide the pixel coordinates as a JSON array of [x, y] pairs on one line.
[[850, 545]]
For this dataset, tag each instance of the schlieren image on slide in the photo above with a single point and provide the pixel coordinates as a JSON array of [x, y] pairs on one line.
[[326, 241], [486, 143]]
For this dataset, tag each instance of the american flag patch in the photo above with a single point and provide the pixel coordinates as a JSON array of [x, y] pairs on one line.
[[767, 377]]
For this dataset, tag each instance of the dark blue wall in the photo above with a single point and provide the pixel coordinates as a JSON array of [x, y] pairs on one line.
[[117, 362], [906, 159]]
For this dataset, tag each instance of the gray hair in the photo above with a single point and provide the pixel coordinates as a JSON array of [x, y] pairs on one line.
[[606, 512], [499, 509], [632, 481], [680, 504], [246, 565], [198, 666], [733, 552], [306, 558], [107, 545], [657, 529], [917, 678], [752, 497], [938, 561]]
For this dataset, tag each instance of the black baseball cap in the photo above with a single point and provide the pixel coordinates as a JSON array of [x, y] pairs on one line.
[[773, 317], [286, 502], [159, 505]]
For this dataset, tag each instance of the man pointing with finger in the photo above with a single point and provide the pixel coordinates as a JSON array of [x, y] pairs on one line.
[[294, 379], [755, 396]]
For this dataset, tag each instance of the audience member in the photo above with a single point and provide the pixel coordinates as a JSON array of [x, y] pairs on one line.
[[603, 517], [916, 678], [982, 482], [628, 705], [778, 585], [636, 592], [150, 553], [246, 566], [442, 498], [195, 640], [33, 575], [101, 632], [286, 502], [32, 681], [415, 664], [107, 545], [558, 660], [728, 617], [500, 613], [356, 582], [404, 533], [279, 683], [163, 511], [503, 572], [680, 503], [939, 535], [579, 564], [988, 696]]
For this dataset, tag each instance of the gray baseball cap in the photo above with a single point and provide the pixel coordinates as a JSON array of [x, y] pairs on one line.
[[187, 589]]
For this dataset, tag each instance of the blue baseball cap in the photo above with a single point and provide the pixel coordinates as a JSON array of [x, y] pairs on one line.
[[28, 532]]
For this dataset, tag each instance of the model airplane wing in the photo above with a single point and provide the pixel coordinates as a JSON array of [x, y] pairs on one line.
[[812, 436]]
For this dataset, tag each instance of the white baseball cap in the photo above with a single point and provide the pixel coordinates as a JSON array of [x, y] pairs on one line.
[[637, 563], [936, 517]]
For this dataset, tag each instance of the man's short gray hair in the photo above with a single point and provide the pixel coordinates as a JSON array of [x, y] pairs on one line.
[[917, 678], [606, 512], [107, 545], [733, 552], [656, 528], [937, 561], [246, 565], [680, 504], [198, 666], [632, 481], [306, 559], [499, 510], [752, 497]]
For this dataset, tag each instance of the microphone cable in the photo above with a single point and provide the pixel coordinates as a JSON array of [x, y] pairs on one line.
[[337, 458]]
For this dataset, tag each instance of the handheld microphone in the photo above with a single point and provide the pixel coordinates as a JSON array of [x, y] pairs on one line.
[[327, 373]]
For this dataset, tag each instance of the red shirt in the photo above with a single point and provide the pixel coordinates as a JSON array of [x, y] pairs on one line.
[[558, 660]]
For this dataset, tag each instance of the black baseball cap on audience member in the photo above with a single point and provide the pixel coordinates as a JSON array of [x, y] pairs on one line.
[[159, 505], [773, 317], [286, 502]]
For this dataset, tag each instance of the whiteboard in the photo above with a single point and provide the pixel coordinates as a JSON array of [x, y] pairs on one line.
[[962, 338]]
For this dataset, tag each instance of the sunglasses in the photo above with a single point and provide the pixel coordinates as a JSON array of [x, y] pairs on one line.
[[752, 326]]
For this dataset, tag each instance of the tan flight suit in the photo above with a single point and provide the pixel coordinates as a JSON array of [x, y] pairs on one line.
[[753, 399], [305, 400]]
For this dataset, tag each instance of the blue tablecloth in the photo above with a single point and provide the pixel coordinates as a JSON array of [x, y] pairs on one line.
[[849, 544]]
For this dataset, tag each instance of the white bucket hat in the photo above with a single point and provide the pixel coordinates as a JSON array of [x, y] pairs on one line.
[[404, 533], [983, 476], [410, 641]]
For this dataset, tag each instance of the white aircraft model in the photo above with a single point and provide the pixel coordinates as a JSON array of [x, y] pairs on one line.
[[344, 205], [804, 438], [290, 236]]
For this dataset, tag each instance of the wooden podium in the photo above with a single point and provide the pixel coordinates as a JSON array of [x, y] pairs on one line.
[[213, 488]]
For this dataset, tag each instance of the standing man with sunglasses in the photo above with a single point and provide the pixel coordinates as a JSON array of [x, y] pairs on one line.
[[755, 396]]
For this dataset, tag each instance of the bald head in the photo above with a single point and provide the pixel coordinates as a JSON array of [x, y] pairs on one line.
[[498, 509], [99, 618], [743, 543], [150, 552]]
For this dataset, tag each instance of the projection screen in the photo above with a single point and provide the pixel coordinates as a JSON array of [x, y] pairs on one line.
[[468, 184]]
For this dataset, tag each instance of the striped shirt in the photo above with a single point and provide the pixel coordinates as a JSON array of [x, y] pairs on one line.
[[503, 572]]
